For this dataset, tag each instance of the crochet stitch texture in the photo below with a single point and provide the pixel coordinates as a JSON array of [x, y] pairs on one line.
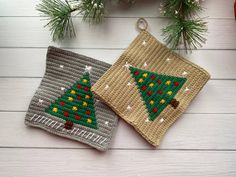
[[128, 95], [64, 104]]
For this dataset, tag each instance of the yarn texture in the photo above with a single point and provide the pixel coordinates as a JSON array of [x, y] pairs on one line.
[[64, 104], [133, 87]]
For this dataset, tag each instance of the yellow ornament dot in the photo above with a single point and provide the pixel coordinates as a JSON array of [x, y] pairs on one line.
[[54, 109], [151, 84], [72, 92], [85, 81], [87, 96], [74, 108], [151, 102], [168, 82], [70, 98], [169, 93], [89, 121], [145, 75], [162, 101], [140, 80], [85, 103]]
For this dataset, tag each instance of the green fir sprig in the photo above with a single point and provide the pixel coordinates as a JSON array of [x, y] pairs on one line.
[[185, 29], [59, 16], [92, 10]]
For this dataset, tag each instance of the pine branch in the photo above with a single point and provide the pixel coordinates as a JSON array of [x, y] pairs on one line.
[[92, 10], [184, 28], [59, 16], [184, 8], [188, 33]]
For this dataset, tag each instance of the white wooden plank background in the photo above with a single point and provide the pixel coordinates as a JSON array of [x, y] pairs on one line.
[[201, 143]]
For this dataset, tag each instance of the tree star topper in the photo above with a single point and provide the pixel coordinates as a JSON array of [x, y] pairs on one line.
[[88, 68], [127, 65]]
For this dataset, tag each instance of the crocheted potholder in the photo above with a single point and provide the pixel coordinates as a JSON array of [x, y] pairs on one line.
[[64, 104], [150, 86]]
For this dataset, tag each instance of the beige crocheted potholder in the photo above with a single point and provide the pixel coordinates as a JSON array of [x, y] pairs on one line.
[[150, 86]]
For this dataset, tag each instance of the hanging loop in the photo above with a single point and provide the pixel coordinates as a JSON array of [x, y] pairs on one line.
[[142, 24]]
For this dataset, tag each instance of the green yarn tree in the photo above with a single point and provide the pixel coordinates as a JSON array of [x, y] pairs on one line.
[[76, 105], [157, 91]]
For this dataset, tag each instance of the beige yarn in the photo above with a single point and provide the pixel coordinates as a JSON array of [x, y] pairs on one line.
[[125, 99]]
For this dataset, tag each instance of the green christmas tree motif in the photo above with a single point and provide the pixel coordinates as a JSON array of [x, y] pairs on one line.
[[76, 105], [157, 90]]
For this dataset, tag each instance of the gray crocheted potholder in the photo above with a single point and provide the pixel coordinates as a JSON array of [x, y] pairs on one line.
[[64, 104]]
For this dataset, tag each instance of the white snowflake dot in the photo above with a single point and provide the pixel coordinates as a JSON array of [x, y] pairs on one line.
[[40, 101], [145, 64], [127, 65], [184, 73], [144, 43], [147, 120], [129, 84], [61, 66], [106, 87], [186, 89], [106, 123], [62, 88], [168, 59], [129, 107], [161, 120]]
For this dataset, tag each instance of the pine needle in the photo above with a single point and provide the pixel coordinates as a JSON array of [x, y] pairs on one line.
[[185, 28], [59, 16], [92, 10]]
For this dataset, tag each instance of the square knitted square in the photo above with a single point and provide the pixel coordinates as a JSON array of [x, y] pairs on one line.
[[150, 86], [64, 104]]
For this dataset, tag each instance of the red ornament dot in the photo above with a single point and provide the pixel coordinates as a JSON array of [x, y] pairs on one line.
[[78, 86], [144, 88], [62, 103], [159, 82], [86, 88], [176, 84], [66, 114], [78, 98], [87, 112], [160, 92], [77, 117], [149, 93], [136, 73], [153, 77], [154, 110]]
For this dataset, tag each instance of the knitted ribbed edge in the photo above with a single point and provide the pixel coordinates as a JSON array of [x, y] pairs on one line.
[[63, 69], [159, 59]]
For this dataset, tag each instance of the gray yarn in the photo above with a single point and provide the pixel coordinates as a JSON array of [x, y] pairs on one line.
[[63, 69]]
